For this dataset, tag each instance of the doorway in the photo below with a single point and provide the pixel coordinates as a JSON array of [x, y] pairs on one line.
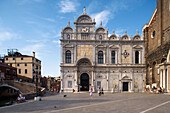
[[84, 82], [125, 86]]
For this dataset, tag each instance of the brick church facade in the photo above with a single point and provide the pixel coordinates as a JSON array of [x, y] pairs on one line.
[[157, 47]]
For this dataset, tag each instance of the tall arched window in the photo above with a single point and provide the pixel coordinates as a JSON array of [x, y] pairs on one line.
[[68, 56], [113, 57], [137, 57], [100, 57]]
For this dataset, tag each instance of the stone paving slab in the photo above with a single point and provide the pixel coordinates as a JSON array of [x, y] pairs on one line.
[[83, 103]]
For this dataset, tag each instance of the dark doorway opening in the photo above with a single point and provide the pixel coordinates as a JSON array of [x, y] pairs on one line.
[[125, 86], [84, 82]]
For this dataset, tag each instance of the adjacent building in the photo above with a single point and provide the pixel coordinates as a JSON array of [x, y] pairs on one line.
[[157, 47], [92, 59], [7, 72], [27, 66]]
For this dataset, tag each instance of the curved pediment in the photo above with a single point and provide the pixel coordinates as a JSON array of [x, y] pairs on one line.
[[113, 37], [100, 46], [84, 19], [68, 29], [125, 37], [100, 30], [137, 37]]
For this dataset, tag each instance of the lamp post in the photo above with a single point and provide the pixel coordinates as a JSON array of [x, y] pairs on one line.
[[36, 71], [36, 81]]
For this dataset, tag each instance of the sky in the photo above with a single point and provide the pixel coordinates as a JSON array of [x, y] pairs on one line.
[[35, 25]]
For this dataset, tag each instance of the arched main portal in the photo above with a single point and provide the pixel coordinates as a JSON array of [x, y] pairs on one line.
[[84, 82]]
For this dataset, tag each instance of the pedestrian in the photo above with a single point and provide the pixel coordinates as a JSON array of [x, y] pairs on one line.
[[102, 92], [99, 91], [91, 92]]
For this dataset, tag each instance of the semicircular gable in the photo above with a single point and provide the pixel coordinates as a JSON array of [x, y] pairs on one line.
[[68, 29], [113, 37], [137, 37], [84, 18], [100, 30], [125, 37]]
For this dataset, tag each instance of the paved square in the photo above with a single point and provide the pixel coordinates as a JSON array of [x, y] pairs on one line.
[[83, 103]]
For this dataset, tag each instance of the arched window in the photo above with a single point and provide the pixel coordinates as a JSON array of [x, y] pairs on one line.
[[68, 56], [68, 36], [137, 57], [100, 57], [100, 36], [113, 57]]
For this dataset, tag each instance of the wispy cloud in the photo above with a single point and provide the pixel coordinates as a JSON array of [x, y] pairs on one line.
[[56, 41], [68, 6], [6, 35], [109, 11], [34, 47], [119, 31], [49, 19], [103, 16]]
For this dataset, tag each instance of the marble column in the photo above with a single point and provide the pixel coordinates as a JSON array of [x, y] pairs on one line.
[[107, 80], [92, 80], [76, 80]]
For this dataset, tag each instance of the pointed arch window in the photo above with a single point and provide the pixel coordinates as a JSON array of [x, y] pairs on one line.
[[137, 57], [68, 56], [113, 57], [100, 57]]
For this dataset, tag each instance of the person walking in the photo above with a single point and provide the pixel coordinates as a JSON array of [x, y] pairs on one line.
[[99, 91], [91, 92], [102, 92]]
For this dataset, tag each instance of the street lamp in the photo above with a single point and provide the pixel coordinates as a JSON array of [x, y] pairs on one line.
[[36, 77]]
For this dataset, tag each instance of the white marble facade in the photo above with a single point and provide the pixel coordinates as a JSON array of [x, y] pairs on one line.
[[92, 59]]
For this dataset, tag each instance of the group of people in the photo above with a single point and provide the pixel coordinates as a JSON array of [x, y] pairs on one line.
[[20, 99], [157, 90], [100, 92]]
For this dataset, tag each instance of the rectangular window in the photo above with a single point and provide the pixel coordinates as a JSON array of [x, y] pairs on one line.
[[6, 58], [13, 58], [19, 71], [14, 73], [25, 64], [113, 57], [25, 71], [69, 84], [22, 58], [36, 67], [8, 72], [17, 64], [98, 84]]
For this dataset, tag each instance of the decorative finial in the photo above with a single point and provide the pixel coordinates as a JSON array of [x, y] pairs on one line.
[[94, 20], [137, 31], [113, 31], [84, 10], [125, 31], [131, 36], [74, 19], [107, 28], [68, 22], [100, 23], [61, 29]]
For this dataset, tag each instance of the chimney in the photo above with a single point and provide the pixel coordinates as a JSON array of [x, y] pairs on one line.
[[33, 54]]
